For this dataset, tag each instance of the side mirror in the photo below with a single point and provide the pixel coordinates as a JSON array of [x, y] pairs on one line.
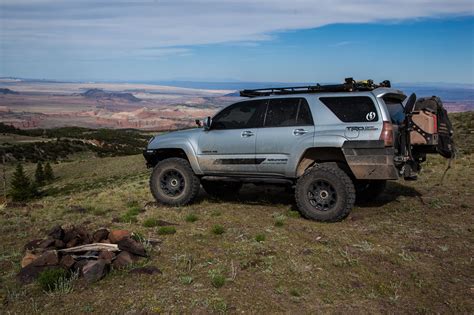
[[207, 123]]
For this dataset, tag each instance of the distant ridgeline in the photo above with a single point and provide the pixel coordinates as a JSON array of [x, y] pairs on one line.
[[58, 143], [101, 94], [7, 91]]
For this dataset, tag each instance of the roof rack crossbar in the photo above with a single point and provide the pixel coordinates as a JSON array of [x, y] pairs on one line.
[[349, 85]]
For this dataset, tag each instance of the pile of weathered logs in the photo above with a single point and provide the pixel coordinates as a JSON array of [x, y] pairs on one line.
[[74, 249]]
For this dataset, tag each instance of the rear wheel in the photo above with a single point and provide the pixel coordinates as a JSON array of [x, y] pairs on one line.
[[325, 193], [221, 189], [367, 191], [173, 182]]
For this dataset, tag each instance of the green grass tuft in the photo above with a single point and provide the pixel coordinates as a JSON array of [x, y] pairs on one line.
[[260, 237], [280, 221], [218, 229], [293, 214], [166, 230], [191, 217], [131, 215], [150, 222], [57, 279], [186, 280], [128, 218], [295, 293], [217, 279]]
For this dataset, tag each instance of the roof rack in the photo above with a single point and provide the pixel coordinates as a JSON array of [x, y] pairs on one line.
[[349, 85]]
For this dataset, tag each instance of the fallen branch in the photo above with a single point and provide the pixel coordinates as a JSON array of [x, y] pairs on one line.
[[80, 257], [91, 247]]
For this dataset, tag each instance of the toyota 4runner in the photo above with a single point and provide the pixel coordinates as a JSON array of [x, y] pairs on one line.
[[334, 143]]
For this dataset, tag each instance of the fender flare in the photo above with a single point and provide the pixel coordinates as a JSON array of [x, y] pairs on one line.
[[173, 144]]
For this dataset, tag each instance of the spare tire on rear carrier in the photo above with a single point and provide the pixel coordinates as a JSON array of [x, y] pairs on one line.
[[431, 129]]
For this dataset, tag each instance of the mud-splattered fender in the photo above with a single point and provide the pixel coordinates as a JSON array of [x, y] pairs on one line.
[[370, 159], [178, 140]]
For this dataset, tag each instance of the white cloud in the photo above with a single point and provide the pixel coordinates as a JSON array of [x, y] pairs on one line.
[[166, 24]]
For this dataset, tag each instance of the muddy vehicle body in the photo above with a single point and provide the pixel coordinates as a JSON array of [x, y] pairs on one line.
[[334, 144]]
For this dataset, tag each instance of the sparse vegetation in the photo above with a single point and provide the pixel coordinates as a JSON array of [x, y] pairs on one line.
[[218, 229], [260, 237], [380, 259], [131, 215], [293, 214], [217, 278], [59, 143], [280, 221], [56, 280], [191, 217], [166, 230], [150, 222], [186, 280]]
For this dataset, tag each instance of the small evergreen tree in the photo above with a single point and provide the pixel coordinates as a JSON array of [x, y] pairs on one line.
[[48, 172], [39, 174], [21, 188]]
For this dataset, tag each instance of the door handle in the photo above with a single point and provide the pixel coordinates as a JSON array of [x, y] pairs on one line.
[[299, 132], [247, 133]]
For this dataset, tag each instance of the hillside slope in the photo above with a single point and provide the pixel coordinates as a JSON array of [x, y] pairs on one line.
[[410, 251]]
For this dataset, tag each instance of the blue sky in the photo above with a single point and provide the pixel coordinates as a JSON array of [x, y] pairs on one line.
[[225, 40]]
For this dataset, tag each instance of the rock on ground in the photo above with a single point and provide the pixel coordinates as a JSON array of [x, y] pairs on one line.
[[100, 235], [95, 270], [116, 236], [132, 246], [123, 260]]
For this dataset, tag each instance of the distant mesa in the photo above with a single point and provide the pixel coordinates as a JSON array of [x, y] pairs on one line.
[[236, 93], [7, 91], [101, 94]]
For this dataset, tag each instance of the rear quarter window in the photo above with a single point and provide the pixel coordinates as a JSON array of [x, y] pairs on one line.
[[352, 108], [397, 112]]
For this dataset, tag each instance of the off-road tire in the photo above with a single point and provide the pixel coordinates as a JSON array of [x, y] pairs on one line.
[[166, 173], [221, 189], [340, 191], [367, 191]]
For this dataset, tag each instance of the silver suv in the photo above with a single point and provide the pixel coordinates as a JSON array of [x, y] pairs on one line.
[[332, 143]]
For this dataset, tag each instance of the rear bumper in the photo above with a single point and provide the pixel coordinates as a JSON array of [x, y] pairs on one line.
[[370, 159]]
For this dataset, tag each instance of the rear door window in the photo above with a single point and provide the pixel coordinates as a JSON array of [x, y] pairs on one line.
[[248, 114], [285, 112], [352, 108]]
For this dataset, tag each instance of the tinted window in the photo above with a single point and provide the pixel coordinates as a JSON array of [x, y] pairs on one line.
[[304, 114], [284, 112], [352, 109], [241, 115], [397, 112]]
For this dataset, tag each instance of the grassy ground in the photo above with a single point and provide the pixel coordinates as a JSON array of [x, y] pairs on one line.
[[411, 251]]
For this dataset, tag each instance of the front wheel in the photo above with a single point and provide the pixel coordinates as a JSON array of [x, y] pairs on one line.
[[325, 193], [173, 182]]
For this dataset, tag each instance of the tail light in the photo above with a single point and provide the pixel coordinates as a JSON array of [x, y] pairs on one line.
[[435, 122], [387, 134]]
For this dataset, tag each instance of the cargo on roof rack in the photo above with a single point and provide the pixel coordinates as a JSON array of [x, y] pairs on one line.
[[349, 85]]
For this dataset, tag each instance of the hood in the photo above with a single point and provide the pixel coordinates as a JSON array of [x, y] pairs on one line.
[[175, 137], [179, 133]]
